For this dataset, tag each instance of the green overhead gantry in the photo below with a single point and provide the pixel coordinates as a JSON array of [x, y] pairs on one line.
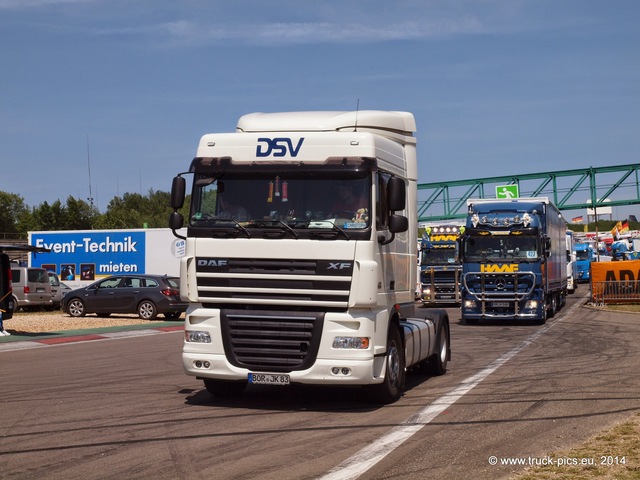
[[568, 189]]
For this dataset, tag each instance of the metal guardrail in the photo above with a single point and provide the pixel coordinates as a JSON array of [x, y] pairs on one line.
[[615, 292]]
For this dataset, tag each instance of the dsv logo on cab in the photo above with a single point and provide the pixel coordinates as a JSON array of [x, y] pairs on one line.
[[278, 147]]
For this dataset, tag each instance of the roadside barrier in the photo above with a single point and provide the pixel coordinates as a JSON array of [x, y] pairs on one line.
[[615, 292]]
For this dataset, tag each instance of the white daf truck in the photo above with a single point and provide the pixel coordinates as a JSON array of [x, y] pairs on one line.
[[300, 254]]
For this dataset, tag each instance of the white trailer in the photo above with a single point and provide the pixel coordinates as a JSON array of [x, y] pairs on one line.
[[288, 286]]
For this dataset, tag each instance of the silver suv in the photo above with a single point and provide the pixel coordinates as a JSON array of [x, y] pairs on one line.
[[31, 287]]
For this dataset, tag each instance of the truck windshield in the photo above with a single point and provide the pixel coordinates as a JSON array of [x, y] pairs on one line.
[[582, 255], [439, 256], [302, 200], [522, 247]]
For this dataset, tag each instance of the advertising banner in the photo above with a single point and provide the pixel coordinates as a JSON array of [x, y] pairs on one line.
[[90, 255], [615, 282]]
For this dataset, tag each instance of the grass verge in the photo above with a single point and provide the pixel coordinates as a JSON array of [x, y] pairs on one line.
[[613, 454]]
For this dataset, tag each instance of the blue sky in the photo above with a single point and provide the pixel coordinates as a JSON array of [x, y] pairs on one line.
[[498, 87]]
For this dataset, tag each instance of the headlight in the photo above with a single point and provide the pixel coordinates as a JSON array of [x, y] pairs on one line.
[[353, 343], [469, 304], [197, 336], [531, 304]]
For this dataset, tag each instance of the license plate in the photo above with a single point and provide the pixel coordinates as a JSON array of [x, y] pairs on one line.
[[269, 379], [500, 304], [39, 290], [446, 297]]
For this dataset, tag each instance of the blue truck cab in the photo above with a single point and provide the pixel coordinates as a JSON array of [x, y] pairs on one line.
[[440, 265], [584, 256], [514, 260]]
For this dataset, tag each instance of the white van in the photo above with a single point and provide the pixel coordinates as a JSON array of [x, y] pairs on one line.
[[31, 287]]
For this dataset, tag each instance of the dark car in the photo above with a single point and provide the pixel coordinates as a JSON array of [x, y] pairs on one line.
[[146, 295]]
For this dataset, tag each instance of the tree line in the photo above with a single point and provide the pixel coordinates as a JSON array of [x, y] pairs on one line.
[[131, 210]]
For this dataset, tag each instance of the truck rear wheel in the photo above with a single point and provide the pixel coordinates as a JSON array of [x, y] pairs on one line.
[[437, 363], [553, 305], [391, 388]]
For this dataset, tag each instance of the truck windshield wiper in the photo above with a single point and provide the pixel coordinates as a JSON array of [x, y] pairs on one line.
[[210, 221], [279, 224], [336, 228], [288, 228]]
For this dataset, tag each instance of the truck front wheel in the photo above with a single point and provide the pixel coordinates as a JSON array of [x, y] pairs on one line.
[[545, 310], [391, 388]]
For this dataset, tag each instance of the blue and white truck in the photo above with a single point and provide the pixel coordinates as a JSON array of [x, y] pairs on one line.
[[585, 255], [514, 262], [287, 287]]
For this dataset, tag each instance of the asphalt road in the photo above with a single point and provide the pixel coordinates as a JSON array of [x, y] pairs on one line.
[[122, 408]]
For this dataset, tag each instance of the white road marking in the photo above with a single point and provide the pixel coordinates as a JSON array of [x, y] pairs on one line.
[[366, 458]]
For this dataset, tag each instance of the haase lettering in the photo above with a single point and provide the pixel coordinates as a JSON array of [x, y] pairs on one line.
[[444, 238], [507, 268], [277, 147]]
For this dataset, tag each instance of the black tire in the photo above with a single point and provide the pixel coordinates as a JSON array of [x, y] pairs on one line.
[[147, 310], [437, 363], [390, 390], [76, 308], [545, 309], [553, 306], [172, 315], [224, 388], [16, 307]]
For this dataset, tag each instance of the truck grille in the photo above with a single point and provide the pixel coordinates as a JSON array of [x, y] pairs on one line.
[[271, 341], [443, 285], [499, 286], [246, 281], [442, 281]]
